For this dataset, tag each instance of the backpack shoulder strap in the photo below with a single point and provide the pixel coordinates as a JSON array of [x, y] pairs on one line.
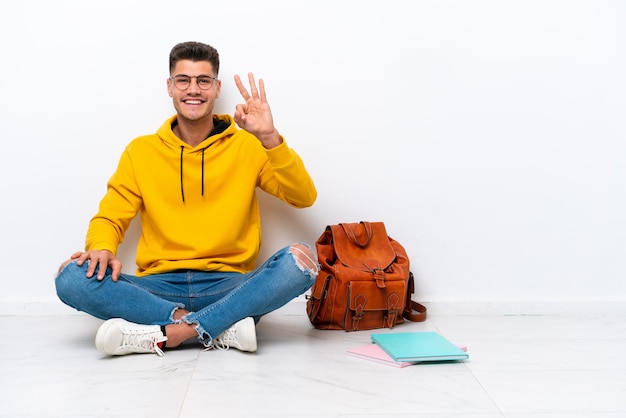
[[413, 311]]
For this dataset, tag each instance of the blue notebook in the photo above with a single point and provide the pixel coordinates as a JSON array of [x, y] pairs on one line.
[[418, 346]]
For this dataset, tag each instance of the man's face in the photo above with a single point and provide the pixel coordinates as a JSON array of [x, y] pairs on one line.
[[194, 103]]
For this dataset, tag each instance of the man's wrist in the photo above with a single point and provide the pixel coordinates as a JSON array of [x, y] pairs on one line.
[[271, 140]]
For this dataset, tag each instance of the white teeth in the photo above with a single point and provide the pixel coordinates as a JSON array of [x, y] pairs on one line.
[[193, 101]]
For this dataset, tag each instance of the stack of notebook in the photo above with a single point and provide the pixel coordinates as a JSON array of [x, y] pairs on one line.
[[403, 349]]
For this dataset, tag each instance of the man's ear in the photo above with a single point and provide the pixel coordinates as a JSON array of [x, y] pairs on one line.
[[218, 88], [169, 87]]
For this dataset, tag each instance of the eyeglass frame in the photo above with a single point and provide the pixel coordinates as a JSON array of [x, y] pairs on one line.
[[197, 77]]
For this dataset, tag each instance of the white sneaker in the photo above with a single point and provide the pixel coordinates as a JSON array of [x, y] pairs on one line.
[[117, 337], [241, 336]]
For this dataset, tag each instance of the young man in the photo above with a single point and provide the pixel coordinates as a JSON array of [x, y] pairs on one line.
[[193, 183]]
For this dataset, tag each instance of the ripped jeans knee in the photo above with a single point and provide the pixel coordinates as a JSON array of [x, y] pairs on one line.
[[305, 259]]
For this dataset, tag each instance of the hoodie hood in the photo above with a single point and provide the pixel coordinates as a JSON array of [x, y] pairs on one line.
[[224, 126]]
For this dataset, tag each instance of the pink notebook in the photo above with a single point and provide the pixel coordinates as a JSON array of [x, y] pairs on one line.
[[373, 352]]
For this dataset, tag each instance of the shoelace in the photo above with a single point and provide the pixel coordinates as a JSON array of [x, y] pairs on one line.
[[141, 339], [223, 341]]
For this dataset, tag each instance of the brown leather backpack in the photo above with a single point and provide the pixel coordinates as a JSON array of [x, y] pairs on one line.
[[365, 281]]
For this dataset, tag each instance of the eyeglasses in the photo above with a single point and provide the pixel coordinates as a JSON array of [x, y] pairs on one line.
[[182, 82]]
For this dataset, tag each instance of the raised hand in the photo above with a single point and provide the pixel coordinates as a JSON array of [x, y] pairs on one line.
[[255, 115]]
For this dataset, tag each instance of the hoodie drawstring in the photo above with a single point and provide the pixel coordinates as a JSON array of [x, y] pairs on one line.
[[182, 188], [203, 169]]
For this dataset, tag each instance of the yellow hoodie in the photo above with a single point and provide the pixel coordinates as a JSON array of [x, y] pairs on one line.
[[197, 205]]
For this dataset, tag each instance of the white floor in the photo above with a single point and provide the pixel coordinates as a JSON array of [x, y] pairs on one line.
[[544, 366]]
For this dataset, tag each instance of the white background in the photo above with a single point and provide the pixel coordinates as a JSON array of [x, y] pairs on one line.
[[489, 136]]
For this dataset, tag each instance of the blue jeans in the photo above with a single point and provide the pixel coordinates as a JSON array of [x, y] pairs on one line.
[[215, 300]]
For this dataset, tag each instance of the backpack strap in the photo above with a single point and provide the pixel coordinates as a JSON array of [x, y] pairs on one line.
[[413, 311], [316, 298]]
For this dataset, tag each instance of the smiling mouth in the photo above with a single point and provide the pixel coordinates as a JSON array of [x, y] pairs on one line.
[[193, 101]]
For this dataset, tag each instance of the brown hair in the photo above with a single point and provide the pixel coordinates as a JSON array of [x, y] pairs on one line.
[[195, 51]]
